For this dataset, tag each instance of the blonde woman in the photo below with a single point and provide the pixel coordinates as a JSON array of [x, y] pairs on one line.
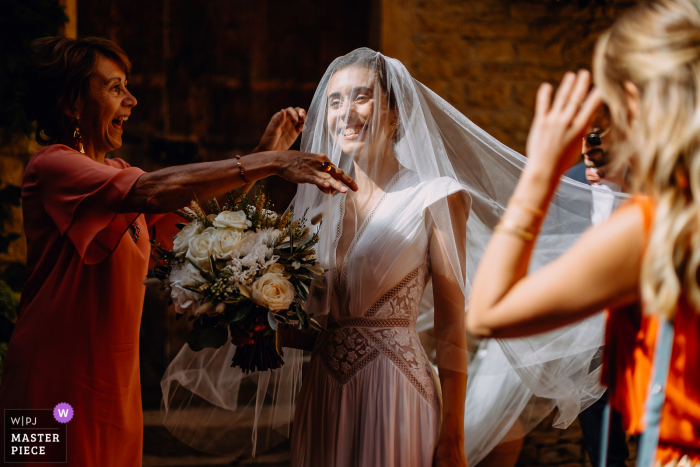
[[645, 270]]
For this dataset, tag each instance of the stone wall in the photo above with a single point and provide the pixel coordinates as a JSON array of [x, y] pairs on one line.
[[487, 57]]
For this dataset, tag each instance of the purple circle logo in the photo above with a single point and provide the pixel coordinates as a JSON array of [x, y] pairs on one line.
[[63, 412]]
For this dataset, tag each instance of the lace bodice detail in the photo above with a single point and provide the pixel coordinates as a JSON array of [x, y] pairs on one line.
[[387, 329]]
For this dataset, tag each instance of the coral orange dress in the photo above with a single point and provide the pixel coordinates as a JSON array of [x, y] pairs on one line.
[[77, 336], [629, 355]]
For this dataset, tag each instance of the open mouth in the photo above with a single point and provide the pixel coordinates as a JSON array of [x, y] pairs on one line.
[[117, 122], [353, 132]]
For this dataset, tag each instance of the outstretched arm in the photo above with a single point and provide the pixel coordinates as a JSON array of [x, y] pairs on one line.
[[450, 331], [172, 188], [601, 269]]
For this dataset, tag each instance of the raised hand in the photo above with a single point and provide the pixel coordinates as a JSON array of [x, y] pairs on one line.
[[554, 141], [283, 130]]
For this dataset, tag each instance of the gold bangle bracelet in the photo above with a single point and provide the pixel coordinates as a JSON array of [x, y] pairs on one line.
[[241, 170], [534, 211], [507, 226]]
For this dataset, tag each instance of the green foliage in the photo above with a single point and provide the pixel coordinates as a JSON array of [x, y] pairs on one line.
[[9, 196], [21, 21], [9, 302]]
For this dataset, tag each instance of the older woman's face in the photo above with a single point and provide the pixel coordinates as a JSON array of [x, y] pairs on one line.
[[106, 107], [359, 117]]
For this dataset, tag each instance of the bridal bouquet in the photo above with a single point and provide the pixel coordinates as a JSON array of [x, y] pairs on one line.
[[240, 268]]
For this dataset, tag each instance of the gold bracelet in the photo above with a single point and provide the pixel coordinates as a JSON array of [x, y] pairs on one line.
[[507, 226], [241, 170], [535, 212]]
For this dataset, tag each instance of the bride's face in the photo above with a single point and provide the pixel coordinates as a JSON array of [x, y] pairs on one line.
[[359, 115]]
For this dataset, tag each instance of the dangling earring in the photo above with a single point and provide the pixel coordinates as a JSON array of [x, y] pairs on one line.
[[78, 140], [394, 127]]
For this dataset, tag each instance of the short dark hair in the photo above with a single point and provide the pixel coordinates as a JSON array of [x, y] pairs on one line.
[[58, 78]]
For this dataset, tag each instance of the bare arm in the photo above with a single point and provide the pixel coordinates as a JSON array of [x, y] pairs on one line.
[[601, 269], [174, 187], [450, 337]]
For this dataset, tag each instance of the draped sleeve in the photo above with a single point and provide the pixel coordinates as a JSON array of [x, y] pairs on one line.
[[84, 198]]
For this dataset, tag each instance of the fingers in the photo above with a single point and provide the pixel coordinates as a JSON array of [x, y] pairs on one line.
[[561, 98], [578, 94], [588, 109], [341, 176], [544, 96], [325, 181], [293, 114], [302, 114]]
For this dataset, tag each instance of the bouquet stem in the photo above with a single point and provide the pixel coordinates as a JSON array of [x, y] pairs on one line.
[[262, 355]]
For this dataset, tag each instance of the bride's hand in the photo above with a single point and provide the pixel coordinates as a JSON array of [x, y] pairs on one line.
[[283, 130], [554, 143], [450, 453]]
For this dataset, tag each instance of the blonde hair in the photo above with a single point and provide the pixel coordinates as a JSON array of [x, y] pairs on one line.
[[656, 46]]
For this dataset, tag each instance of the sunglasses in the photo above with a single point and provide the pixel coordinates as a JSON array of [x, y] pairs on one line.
[[596, 138]]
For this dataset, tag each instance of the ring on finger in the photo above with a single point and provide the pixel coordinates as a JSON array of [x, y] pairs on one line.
[[326, 166]]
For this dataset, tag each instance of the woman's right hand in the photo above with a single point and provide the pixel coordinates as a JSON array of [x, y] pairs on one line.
[[304, 167], [554, 139]]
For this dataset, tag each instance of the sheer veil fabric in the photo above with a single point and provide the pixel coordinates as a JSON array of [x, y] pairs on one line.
[[386, 129]]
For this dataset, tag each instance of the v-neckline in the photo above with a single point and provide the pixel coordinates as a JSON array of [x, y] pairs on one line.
[[340, 273]]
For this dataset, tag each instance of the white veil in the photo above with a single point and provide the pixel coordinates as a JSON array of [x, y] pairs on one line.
[[513, 383]]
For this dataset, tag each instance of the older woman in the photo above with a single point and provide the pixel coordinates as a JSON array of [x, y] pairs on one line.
[[86, 219]]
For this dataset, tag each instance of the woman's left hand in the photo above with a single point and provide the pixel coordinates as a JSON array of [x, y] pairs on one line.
[[450, 453], [554, 140], [283, 130]]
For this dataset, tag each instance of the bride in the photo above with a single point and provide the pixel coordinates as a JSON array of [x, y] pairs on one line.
[[432, 186], [371, 396]]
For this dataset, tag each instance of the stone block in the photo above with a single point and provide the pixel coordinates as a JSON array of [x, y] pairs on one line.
[[523, 11], [537, 53], [496, 95], [572, 434], [561, 454], [528, 455], [524, 94], [495, 30], [497, 51]]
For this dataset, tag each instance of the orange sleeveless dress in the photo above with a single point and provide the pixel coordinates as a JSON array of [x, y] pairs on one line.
[[77, 336], [629, 354]]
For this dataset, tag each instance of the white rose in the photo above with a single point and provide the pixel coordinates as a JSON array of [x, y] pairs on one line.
[[273, 291], [183, 237], [232, 220], [181, 275], [277, 268], [225, 241], [268, 236], [199, 249]]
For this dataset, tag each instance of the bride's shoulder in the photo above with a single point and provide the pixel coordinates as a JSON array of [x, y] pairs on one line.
[[432, 190], [440, 187]]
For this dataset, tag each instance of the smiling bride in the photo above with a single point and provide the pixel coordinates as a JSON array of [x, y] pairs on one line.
[[431, 188]]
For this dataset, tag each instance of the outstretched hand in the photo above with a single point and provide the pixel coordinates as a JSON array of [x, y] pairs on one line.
[[303, 167], [554, 140], [283, 130]]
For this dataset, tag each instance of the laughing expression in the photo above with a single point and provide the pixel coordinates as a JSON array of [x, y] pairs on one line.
[[359, 117], [106, 107]]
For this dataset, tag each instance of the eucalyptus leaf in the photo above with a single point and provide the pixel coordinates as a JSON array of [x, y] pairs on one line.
[[238, 315], [272, 321], [315, 324]]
